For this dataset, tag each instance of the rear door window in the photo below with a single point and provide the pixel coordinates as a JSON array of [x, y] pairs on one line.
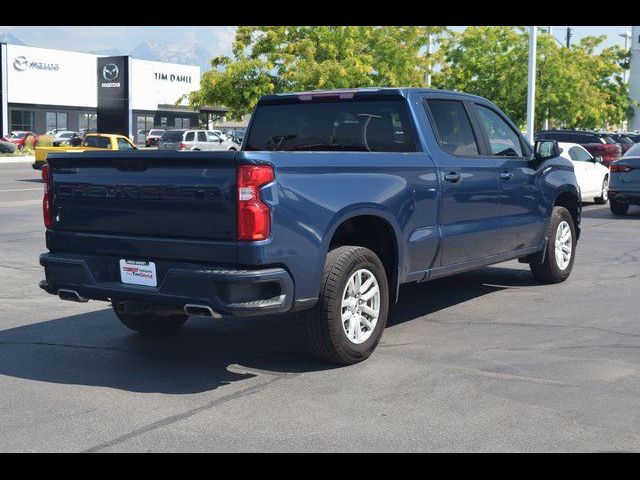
[[503, 140], [202, 137], [453, 127]]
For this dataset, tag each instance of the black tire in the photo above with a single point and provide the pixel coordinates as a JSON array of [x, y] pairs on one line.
[[549, 271], [604, 198], [150, 322], [323, 324], [618, 208]]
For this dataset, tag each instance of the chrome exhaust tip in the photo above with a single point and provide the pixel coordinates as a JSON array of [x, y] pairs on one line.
[[200, 311], [71, 296]]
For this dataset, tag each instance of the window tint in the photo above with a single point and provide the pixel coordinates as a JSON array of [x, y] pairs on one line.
[[345, 125], [202, 137], [633, 151], [579, 154], [453, 127], [503, 141], [190, 136], [97, 142], [172, 136], [124, 145]]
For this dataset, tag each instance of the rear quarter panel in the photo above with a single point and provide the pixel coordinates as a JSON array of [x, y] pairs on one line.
[[315, 192]]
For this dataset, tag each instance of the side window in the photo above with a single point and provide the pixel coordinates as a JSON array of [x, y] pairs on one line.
[[453, 127], [190, 136], [503, 141], [202, 137], [124, 145], [578, 154], [212, 137]]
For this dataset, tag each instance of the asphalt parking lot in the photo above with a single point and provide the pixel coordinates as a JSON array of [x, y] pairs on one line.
[[483, 361]]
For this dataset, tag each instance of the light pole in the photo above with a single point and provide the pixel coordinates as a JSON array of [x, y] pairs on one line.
[[429, 53], [627, 36], [531, 88]]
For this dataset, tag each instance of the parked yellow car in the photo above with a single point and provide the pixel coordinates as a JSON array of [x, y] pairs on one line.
[[91, 141]]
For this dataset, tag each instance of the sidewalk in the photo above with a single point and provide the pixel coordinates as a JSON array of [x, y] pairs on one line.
[[18, 159]]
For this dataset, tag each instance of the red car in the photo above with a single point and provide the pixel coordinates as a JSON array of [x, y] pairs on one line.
[[22, 138]]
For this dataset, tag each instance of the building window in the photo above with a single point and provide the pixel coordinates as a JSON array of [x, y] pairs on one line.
[[88, 121], [163, 121], [56, 121], [22, 120], [178, 123], [182, 123], [144, 123]]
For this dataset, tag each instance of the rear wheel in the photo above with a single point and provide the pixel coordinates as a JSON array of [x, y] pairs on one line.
[[604, 196], [150, 322], [560, 249], [618, 208], [347, 323]]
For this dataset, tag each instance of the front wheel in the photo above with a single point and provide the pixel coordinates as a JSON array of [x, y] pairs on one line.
[[560, 249], [604, 196], [347, 323], [150, 322]]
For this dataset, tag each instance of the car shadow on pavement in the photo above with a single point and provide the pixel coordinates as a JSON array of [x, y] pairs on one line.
[[605, 213], [94, 349]]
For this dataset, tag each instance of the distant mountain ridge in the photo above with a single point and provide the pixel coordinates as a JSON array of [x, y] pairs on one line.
[[194, 53]]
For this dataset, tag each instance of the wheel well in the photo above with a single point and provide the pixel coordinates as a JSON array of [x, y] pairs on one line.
[[569, 201], [377, 235]]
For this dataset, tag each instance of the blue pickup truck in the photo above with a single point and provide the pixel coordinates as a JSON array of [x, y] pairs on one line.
[[335, 200]]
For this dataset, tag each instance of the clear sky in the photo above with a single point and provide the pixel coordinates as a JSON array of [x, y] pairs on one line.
[[219, 38]]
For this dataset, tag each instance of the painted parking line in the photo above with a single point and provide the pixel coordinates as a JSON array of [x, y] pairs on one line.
[[20, 203], [21, 190]]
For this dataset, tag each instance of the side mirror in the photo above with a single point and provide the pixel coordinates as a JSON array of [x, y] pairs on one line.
[[598, 159], [546, 149]]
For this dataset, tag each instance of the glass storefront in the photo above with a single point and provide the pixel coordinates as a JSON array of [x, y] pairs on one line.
[[56, 121]]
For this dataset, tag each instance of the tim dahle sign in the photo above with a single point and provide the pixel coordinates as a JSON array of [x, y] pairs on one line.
[[172, 77]]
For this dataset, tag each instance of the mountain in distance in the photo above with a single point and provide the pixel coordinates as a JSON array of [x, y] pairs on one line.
[[195, 53], [6, 37], [187, 54]]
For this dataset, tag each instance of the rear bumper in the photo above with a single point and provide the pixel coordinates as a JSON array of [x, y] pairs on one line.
[[625, 197], [227, 291]]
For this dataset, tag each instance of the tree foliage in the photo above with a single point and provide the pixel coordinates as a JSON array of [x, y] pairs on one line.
[[274, 59], [574, 86]]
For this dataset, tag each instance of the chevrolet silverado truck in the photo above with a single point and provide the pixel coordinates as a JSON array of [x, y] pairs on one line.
[[335, 200], [90, 142]]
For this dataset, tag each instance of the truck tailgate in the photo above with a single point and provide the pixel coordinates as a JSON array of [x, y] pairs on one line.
[[164, 196]]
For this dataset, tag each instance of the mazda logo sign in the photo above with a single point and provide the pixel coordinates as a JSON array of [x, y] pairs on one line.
[[110, 72], [20, 63]]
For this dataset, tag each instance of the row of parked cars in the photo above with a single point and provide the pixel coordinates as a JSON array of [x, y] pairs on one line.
[[606, 164], [194, 139]]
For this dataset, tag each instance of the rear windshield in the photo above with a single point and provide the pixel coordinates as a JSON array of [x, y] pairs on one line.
[[97, 142], [156, 132], [172, 136], [356, 125]]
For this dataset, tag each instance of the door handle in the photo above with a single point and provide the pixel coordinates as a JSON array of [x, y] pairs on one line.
[[452, 177], [506, 175]]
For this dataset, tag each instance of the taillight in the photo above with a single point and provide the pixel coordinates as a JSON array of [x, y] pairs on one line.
[[182, 146], [47, 211], [254, 216], [619, 168]]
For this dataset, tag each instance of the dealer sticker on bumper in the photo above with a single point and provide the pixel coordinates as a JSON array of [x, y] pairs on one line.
[[138, 273]]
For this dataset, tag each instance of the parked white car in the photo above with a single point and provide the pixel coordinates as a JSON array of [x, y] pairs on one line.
[[592, 175], [194, 140]]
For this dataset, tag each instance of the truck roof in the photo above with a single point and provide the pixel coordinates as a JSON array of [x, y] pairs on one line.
[[347, 92]]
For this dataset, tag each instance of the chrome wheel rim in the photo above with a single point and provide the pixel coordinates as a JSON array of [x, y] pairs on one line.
[[564, 245], [360, 306], [605, 190]]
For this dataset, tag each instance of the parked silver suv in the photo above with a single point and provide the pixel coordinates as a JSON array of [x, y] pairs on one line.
[[194, 140]]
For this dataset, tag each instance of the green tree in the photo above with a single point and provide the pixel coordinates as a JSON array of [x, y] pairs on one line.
[[574, 86], [274, 59]]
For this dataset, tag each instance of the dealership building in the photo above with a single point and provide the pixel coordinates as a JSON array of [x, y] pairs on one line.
[[45, 89]]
